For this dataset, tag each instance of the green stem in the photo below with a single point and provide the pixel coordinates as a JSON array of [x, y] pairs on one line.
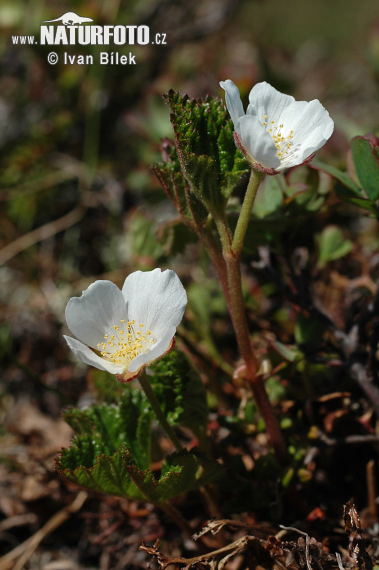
[[247, 206], [146, 387]]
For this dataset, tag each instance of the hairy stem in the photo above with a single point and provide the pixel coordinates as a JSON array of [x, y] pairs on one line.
[[233, 292], [247, 206]]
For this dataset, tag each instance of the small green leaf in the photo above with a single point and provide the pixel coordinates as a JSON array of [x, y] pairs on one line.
[[269, 197], [343, 177], [332, 244], [141, 238], [366, 160], [288, 352]]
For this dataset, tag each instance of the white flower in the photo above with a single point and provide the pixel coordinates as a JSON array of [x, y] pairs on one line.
[[128, 329], [276, 132]]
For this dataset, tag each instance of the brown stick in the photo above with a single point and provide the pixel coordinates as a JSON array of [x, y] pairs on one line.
[[40, 234], [23, 552]]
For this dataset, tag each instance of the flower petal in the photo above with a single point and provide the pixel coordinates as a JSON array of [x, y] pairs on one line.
[[158, 349], [312, 127], [156, 299], [100, 307], [305, 118], [266, 100], [87, 356], [257, 142], [233, 100]]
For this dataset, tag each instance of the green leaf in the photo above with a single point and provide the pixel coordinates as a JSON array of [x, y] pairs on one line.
[[120, 475], [174, 235], [288, 352], [332, 244], [109, 427], [141, 239], [343, 177], [105, 389], [111, 452], [208, 158], [107, 474], [366, 160], [184, 471], [178, 190], [269, 197], [180, 392]]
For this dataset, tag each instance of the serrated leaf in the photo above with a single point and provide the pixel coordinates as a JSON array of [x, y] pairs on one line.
[[119, 475], [177, 188], [107, 475], [109, 427], [208, 158], [184, 471], [366, 161], [180, 392]]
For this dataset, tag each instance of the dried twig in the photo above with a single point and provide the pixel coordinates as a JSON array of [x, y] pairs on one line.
[[339, 561], [357, 546], [214, 559], [23, 552], [307, 543], [40, 234]]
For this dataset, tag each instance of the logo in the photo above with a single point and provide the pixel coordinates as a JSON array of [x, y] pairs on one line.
[[69, 19], [70, 29]]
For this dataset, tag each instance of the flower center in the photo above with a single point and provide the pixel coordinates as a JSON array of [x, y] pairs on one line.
[[127, 342], [282, 143]]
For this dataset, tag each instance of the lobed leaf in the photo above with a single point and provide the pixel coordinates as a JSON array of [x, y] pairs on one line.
[[102, 429], [180, 392], [210, 163]]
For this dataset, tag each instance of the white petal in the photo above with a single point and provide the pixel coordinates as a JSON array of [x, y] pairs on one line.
[[157, 350], [304, 118], [156, 299], [312, 127], [266, 100], [233, 100], [86, 355], [100, 307], [257, 142]]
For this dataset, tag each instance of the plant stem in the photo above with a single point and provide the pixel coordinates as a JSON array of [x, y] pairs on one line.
[[238, 315], [146, 387], [231, 249], [247, 206]]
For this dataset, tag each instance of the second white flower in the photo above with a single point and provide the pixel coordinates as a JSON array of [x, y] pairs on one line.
[[276, 132], [123, 331]]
